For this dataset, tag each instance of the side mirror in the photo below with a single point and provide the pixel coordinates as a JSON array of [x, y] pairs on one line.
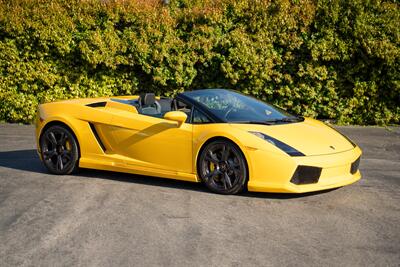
[[177, 116]]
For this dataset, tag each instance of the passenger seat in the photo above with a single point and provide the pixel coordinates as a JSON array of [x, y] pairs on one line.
[[148, 105]]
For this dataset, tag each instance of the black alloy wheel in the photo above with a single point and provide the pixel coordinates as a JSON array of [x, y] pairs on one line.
[[59, 150], [222, 167]]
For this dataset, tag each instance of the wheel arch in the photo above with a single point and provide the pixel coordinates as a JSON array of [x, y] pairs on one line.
[[57, 122]]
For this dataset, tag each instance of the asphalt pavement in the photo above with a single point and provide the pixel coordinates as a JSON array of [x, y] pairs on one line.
[[98, 218]]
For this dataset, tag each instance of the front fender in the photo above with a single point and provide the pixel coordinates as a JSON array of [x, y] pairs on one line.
[[247, 142]]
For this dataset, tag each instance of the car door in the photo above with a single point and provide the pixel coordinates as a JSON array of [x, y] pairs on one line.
[[152, 142]]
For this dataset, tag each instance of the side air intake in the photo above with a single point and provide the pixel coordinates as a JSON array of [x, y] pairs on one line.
[[97, 137], [97, 104]]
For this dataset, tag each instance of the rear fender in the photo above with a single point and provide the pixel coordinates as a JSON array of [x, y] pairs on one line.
[[81, 129]]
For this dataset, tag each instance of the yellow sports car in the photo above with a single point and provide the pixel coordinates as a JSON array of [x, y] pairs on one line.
[[227, 140]]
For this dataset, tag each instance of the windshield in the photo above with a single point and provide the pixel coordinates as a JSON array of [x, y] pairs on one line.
[[235, 107]]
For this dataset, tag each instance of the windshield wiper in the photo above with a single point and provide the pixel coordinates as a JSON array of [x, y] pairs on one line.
[[253, 122], [286, 119], [271, 122]]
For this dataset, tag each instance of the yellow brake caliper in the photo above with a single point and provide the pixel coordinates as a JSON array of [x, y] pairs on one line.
[[212, 167], [68, 146]]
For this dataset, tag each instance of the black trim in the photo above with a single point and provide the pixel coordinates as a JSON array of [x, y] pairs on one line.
[[97, 136], [354, 166], [295, 153], [191, 114], [97, 104]]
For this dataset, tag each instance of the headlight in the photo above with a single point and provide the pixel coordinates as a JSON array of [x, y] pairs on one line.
[[282, 146]]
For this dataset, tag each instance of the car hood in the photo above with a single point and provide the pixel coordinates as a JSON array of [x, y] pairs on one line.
[[311, 137]]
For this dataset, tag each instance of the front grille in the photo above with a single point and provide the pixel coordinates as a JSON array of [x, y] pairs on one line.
[[354, 166], [306, 175]]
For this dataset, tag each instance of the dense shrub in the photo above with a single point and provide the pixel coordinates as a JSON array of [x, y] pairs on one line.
[[334, 59]]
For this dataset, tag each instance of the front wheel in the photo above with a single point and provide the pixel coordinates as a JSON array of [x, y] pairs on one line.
[[222, 167], [59, 150]]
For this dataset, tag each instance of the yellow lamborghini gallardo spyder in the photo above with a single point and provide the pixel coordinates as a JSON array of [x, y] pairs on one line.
[[222, 138]]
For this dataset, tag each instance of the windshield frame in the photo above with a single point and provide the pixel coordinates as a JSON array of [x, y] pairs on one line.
[[217, 119]]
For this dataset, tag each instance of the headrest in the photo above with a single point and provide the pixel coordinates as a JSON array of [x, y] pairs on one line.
[[147, 99]]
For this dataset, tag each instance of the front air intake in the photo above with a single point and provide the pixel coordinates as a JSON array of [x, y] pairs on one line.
[[354, 166], [306, 175]]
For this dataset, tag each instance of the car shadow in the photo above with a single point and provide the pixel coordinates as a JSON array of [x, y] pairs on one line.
[[25, 160], [28, 160]]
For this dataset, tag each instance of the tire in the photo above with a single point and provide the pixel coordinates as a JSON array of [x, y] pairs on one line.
[[59, 150], [222, 167]]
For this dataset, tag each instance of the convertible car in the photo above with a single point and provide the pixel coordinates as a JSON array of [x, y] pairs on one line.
[[227, 140]]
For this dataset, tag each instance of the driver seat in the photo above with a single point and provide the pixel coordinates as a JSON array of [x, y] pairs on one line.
[[148, 104]]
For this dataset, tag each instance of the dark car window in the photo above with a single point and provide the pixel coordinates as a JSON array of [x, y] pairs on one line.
[[199, 117], [231, 106]]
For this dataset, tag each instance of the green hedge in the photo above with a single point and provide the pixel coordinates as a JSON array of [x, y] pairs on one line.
[[332, 59]]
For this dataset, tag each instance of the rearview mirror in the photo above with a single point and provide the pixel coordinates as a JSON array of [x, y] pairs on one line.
[[177, 116]]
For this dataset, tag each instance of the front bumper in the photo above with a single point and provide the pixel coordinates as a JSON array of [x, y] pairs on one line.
[[273, 172]]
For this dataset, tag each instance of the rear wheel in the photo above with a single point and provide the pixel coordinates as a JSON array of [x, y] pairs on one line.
[[59, 150], [222, 167]]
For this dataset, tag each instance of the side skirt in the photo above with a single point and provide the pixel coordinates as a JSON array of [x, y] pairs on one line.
[[85, 162]]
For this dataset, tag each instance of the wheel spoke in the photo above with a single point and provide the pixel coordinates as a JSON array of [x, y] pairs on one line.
[[62, 139], [228, 182], [49, 154], [233, 164], [212, 174], [237, 173], [212, 158], [225, 152], [51, 137], [60, 164], [66, 155]]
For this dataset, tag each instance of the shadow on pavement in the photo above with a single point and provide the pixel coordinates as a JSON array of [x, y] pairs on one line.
[[28, 160], [25, 160]]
